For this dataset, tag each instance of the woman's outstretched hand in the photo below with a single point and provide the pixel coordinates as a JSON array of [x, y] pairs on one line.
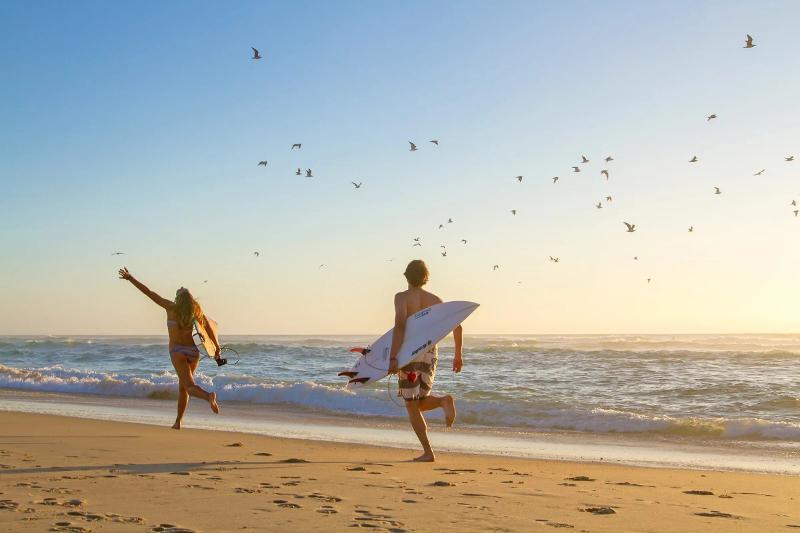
[[124, 274]]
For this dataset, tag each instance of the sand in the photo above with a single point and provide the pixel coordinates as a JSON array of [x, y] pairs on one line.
[[72, 474]]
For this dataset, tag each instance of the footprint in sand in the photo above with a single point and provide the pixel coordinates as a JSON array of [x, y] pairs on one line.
[[327, 509], [8, 505], [699, 492], [234, 445], [356, 469], [293, 460], [442, 484], [579, 478], [598, 510], [168, 528], [263, 454], [559, 525], [324, 497], [67, 526], [717, 514], [284, 503]]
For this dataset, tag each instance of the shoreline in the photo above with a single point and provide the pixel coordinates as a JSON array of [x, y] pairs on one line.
[[632, 450], [64, 472]]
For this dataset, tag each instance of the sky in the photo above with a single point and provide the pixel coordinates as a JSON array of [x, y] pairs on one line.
[[137, 127]]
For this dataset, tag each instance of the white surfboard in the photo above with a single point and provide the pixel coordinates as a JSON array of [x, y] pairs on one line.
[[202, 339], [424, 329]]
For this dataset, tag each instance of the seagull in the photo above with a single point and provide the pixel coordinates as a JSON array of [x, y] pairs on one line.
[[118, 253], [449, 220], [599, 205], [749, 42], [256, 55], [693, 160], [256, 254], [299, 172], [513, 211], [356, 185], [442, 246], [604, 173], [790, 158], [309, 173], [323, 265], [435, 141], [717, 191], [554, 259], [464, 241], [205, 281], [518, 178], [794, 203], [416, 239], [444, 253], [296, 145], [760, 172], [555, 179], [495, 267], [631, 227], [796, 211], [648, 280], [609, 159], [416, 244], [709, 117], [635, 257], [576, 169], [261, 164], [441, 226], [691, 229], [583, 159], [413, 147], [608, 199]]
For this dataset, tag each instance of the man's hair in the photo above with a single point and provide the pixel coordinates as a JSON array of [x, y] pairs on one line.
[[417, 273]]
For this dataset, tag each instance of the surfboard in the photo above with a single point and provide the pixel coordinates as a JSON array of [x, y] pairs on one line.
[[424, 329], [202, 340]]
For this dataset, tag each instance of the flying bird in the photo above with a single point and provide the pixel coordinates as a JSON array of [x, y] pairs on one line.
[[794, 202], [554, 259], [711, 116], [604, 173], [416, 239], [118, 253], [790, 158], [495, 267], [256, 254], [356, 185], [518, 178], [323, 265], [608, 198], [635, 257], [299, 172], [609, 159], [205, 281], [435, 141], [631, 227], [760, 172], [444, 253], [441, 226], [717, 191], [583, 159], [261, 164], [691, 229], [555, 179], [416, 244], [648, 280], [309, 174], [413, 147], [576, 169], [693, 160], [256, 55], [296, 145], [796, 211], [449, 220], [442, 246], [464, 241], [513, 211], [749, 42], [599, 205]]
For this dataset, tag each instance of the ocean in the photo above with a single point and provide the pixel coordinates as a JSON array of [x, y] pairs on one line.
[[705, 387]]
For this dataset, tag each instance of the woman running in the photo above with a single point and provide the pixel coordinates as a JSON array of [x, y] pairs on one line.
[[185, 356]]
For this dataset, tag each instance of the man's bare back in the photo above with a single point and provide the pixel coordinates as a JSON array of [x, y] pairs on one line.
[[415, 299]]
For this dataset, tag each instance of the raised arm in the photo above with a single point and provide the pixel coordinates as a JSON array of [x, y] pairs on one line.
[[400, 316], [458, 337], [163, 302]]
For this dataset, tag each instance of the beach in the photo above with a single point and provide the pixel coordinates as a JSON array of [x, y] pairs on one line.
[[75, 474]]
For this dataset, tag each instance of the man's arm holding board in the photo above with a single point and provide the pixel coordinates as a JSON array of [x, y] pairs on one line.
[[400, 316]]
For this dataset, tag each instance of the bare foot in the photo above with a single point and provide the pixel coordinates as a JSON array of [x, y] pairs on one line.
[[212, 399], [425, 458], [449, 410], [176, 425]]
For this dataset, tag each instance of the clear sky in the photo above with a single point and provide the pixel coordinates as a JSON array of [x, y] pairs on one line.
[[138, 128]]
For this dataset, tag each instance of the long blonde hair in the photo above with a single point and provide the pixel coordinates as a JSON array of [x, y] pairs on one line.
[[186, 309]]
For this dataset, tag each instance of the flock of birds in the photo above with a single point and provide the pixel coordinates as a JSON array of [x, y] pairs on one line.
[[579, 167]]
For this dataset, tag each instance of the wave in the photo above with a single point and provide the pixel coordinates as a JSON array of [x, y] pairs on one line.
[[525, 415]]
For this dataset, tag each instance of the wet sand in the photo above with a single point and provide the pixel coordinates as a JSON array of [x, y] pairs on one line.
[[70, 474]]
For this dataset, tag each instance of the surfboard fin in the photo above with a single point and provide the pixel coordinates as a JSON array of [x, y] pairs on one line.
[[362, 351], [348, 374], [358, 380]]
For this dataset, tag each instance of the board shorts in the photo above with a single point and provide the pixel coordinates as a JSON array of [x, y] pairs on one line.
[[415, 380]]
